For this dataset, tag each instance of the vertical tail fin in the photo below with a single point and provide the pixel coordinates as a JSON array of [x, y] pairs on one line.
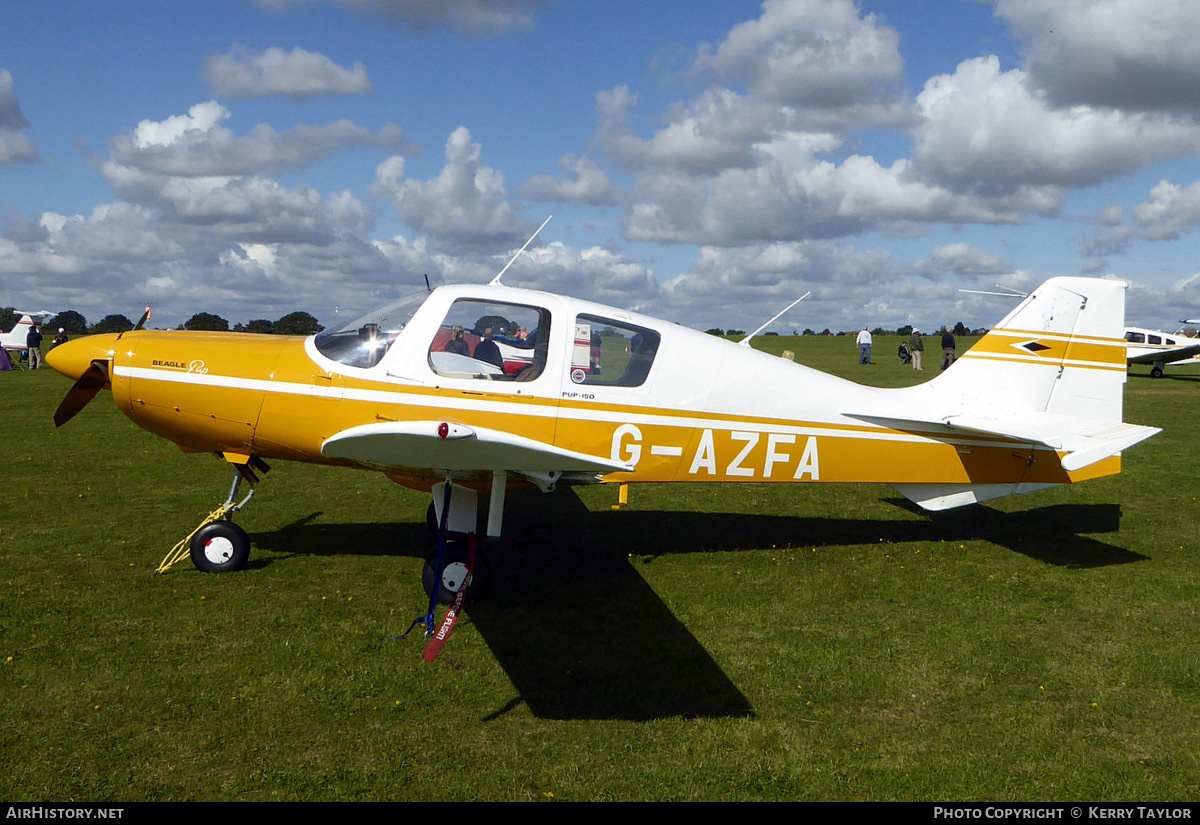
[[1061, 351], [1052, 375]]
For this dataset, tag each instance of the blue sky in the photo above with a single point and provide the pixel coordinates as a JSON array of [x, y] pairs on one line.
[[706, 162]]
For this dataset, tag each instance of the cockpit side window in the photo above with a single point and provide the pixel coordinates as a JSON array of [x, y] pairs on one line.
[[611, 353], [493, 341], [1135, 337], [364, 341]]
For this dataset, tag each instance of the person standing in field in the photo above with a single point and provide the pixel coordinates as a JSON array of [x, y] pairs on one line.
[[864, 346], [915, 348], [33, 341], [947, 348]]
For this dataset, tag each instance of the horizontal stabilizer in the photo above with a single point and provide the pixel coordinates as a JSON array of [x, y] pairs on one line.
[[1101, 445], [1083, 441], [440, 445]]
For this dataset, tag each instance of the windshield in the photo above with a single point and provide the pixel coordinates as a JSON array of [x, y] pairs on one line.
[[364, 341]]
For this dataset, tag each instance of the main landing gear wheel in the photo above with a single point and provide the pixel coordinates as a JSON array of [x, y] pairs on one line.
[[1156, 372], [220, 547], [455, 571]]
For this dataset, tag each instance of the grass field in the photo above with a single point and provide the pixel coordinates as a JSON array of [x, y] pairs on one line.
[[734, 642]]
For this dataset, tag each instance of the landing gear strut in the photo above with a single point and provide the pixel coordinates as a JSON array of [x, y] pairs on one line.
[[453, 518], [457, 571], [219, 545]]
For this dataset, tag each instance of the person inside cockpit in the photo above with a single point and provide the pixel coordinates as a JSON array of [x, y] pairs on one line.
[[457, 344], [487, 350]]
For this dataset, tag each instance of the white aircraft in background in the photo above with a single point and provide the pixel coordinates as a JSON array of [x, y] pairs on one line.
[[15, 338], [1157, 348]]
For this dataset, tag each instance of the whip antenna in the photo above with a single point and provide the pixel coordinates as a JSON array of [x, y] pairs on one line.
[[496, 281]]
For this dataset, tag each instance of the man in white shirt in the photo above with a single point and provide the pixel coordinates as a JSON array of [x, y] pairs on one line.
[[864, 346]]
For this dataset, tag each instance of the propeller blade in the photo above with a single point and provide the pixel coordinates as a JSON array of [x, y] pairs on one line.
[[84, 390], [142, 321]]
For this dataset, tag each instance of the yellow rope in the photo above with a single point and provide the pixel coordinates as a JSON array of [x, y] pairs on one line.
[[182, 550]]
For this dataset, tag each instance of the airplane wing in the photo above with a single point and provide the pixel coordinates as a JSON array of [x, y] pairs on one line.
[[1084, 442], [441, 445], [1166, 356]]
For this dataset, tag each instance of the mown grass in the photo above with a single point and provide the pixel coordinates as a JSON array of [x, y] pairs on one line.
[[707, 642]]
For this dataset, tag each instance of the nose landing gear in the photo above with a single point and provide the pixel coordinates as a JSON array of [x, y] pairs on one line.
[[218, 545]]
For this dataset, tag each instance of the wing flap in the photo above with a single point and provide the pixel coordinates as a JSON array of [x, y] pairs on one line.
[[440, 445]]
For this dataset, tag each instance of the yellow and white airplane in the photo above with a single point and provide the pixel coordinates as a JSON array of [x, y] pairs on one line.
[[584, 393]]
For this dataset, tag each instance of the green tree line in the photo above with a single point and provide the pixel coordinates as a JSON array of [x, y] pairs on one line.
[[294, 323]]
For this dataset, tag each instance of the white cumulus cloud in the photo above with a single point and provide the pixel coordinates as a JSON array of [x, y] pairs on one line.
[[464, 209]]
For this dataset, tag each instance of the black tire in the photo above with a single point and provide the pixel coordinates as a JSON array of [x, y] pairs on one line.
[[220, 547], [1156, 372], [457, 557]]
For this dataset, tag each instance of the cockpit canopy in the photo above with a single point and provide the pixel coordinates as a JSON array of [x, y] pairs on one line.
[[485, 336], [364, 341]]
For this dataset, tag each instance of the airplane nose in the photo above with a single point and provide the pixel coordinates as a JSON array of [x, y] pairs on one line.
[[73, 358]]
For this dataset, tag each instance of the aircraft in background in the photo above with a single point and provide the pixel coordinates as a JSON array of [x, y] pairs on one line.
[[1157, 348], [588, 394], [15, 339]]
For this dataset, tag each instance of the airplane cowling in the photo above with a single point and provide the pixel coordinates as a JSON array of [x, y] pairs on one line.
[[202, 390]]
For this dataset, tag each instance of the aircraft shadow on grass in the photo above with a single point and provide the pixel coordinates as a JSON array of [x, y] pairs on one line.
[[580, 633]]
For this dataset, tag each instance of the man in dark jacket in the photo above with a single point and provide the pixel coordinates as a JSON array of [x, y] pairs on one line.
[[947, 349], [34, 342], [916, 348], [487, 351]]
